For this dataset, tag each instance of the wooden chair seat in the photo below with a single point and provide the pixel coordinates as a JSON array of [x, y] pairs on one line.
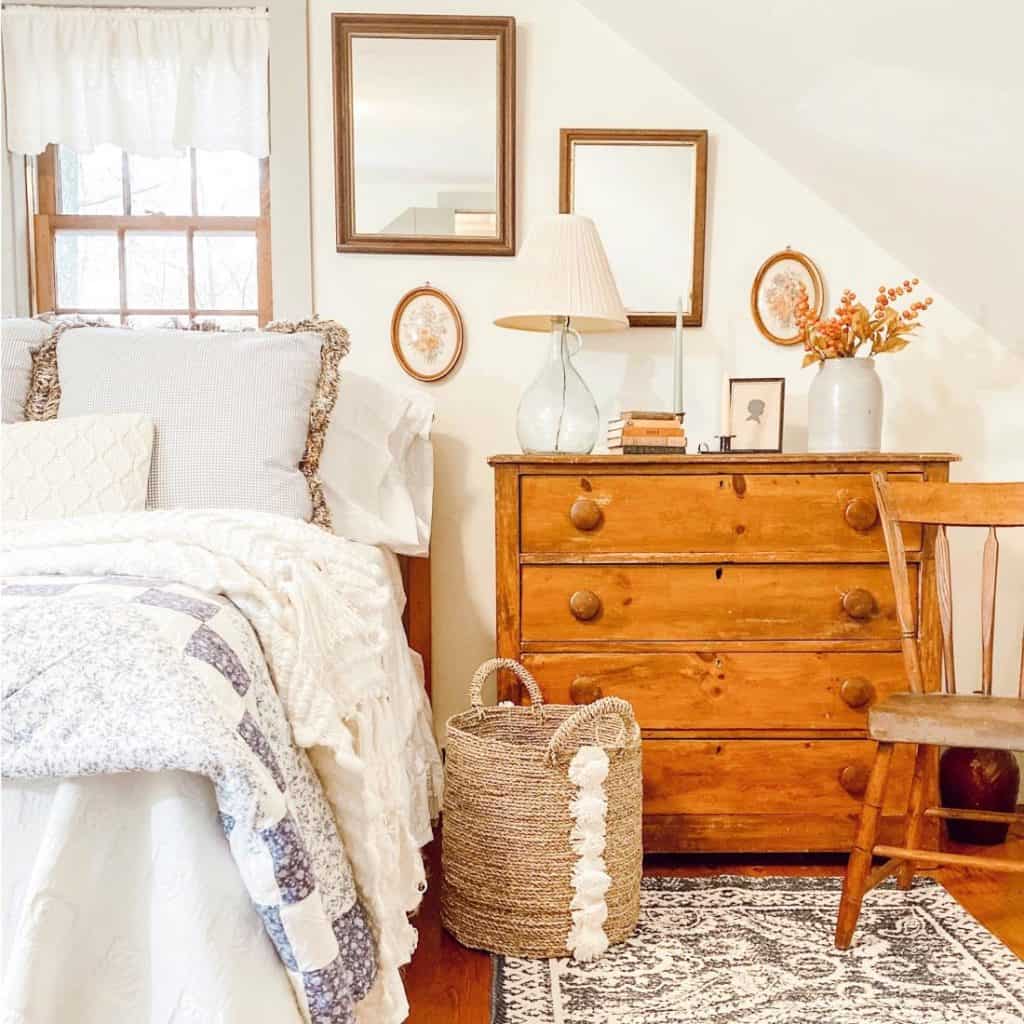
[[924, 719], [949, 720]]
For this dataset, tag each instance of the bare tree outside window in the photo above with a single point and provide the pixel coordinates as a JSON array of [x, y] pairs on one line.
[[146, 241]]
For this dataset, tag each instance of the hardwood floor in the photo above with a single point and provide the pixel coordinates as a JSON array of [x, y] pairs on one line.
[[448, 984]]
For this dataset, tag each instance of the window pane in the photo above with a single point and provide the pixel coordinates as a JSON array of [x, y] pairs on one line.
[[91, 182], [156, 265], [161, 320], [86, 270], [227, 184], [225, 266], [231, 323], [161, 185], [111, 319]]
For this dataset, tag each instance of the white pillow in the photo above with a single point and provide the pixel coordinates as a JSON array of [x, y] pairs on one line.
[[86, 465], [377, 466], [21, 337], [232, 411]]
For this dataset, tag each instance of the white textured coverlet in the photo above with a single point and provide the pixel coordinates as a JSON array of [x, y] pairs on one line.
[[320, 607], [122, 903]]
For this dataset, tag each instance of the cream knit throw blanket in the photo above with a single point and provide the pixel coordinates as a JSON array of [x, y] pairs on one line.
[[318, 605]]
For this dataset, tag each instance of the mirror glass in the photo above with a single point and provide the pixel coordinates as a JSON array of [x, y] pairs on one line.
[[642, 200], [646, 190], [425, 136]]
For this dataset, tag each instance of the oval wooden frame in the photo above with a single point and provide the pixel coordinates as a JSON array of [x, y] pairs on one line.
[[396, 320], [819, 291]]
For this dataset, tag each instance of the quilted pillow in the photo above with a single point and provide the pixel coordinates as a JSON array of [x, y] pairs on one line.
[[240, 417], [86, 465], [21, 337]]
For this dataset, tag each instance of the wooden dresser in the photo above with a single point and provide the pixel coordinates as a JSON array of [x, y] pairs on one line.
[[743, 605]]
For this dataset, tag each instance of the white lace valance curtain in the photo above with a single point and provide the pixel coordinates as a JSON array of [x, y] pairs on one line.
[[152, 82]]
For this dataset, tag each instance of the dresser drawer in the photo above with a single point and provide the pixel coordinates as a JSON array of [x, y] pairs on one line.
[[728, 692], [709, 602], [766, 777], [748, 515]]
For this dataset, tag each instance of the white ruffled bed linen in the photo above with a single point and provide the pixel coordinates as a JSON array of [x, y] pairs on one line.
[[328, 616], [377, 466]]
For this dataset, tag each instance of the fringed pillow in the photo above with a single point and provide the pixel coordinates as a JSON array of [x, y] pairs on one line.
[[240, 416], [21, 337]]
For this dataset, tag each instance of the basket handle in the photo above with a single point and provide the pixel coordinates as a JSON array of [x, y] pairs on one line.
[[590, 713], [536, 698]]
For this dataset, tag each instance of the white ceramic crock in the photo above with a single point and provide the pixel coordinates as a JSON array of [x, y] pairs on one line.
[[844, 407]]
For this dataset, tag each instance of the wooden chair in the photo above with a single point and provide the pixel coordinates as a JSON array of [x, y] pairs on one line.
[[931, 720]]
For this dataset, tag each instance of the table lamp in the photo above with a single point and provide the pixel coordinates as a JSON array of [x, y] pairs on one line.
[[563, 285]]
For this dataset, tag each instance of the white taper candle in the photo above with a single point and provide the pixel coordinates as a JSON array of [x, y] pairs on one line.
[[677, 368]]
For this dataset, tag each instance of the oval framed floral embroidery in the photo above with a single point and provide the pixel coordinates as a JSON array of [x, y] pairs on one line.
[[776, 292], [427, 333]]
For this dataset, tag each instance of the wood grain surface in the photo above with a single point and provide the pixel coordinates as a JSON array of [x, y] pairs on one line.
[[728, 693], [749, 514], [708, 602]]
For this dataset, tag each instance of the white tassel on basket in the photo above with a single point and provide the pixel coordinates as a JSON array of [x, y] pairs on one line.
[[590, 879]]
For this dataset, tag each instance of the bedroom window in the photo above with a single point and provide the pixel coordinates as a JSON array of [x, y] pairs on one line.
[[143, 241]]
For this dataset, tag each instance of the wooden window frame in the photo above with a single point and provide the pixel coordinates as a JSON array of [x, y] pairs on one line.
[[48, 220]]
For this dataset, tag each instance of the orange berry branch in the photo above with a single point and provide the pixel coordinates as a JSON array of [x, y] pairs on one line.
[[852, 325]]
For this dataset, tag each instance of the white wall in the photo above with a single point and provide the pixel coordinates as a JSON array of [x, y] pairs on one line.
[[906, 113], [955, 388]]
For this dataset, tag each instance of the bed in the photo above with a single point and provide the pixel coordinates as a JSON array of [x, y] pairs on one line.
[[218, 753]]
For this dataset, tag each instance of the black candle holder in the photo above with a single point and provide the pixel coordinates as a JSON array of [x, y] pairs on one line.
[[724, 445]]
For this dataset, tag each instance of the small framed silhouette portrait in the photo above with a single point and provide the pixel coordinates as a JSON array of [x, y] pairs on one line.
[[756, 406]]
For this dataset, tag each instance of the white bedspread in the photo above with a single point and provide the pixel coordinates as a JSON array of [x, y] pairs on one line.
[[325, 616], [180, 940]]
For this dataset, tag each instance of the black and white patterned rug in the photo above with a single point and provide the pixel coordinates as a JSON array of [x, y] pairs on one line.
[[734, 950]]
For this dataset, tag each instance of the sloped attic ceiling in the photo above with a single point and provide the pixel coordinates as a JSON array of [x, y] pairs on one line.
[[906, 115]]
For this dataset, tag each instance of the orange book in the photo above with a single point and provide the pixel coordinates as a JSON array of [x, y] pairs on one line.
[[652, 442], [665, 423], [636, 430]]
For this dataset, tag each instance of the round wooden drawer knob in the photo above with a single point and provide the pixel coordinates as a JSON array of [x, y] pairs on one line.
[[585, 690], [861, 514], [585, 514], [859, 604], [856, 691], [584, 605], [854, 779]]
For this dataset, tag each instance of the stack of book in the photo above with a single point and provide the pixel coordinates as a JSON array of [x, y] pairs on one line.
[[636, 432]]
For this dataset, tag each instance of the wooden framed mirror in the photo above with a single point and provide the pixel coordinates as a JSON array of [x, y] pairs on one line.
[[424, 112], [646, 190]]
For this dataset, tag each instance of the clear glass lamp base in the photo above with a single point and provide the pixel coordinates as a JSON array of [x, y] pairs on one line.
[[557, 413]]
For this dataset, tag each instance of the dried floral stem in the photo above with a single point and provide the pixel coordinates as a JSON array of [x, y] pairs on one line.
[[842, 335]]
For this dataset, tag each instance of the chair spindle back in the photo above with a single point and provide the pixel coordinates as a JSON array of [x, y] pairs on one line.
[[943, 505]]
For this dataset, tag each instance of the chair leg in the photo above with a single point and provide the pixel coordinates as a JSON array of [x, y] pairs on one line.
[[915, 814], [859, 866]]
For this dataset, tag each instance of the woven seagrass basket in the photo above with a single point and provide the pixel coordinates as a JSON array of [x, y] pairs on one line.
[[507, 855]]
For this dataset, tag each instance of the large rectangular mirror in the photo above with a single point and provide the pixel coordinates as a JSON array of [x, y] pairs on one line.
[[425, 134], [647, 192]]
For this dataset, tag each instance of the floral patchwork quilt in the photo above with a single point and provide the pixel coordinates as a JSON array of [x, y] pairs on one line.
[[120, 673]]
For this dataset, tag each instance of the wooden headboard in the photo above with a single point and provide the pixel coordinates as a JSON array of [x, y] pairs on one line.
[[416, 580]]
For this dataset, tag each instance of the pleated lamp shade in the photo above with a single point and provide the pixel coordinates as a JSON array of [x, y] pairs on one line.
[[562, 271]]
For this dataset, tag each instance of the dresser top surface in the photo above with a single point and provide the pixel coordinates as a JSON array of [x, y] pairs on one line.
[[719, 459]]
